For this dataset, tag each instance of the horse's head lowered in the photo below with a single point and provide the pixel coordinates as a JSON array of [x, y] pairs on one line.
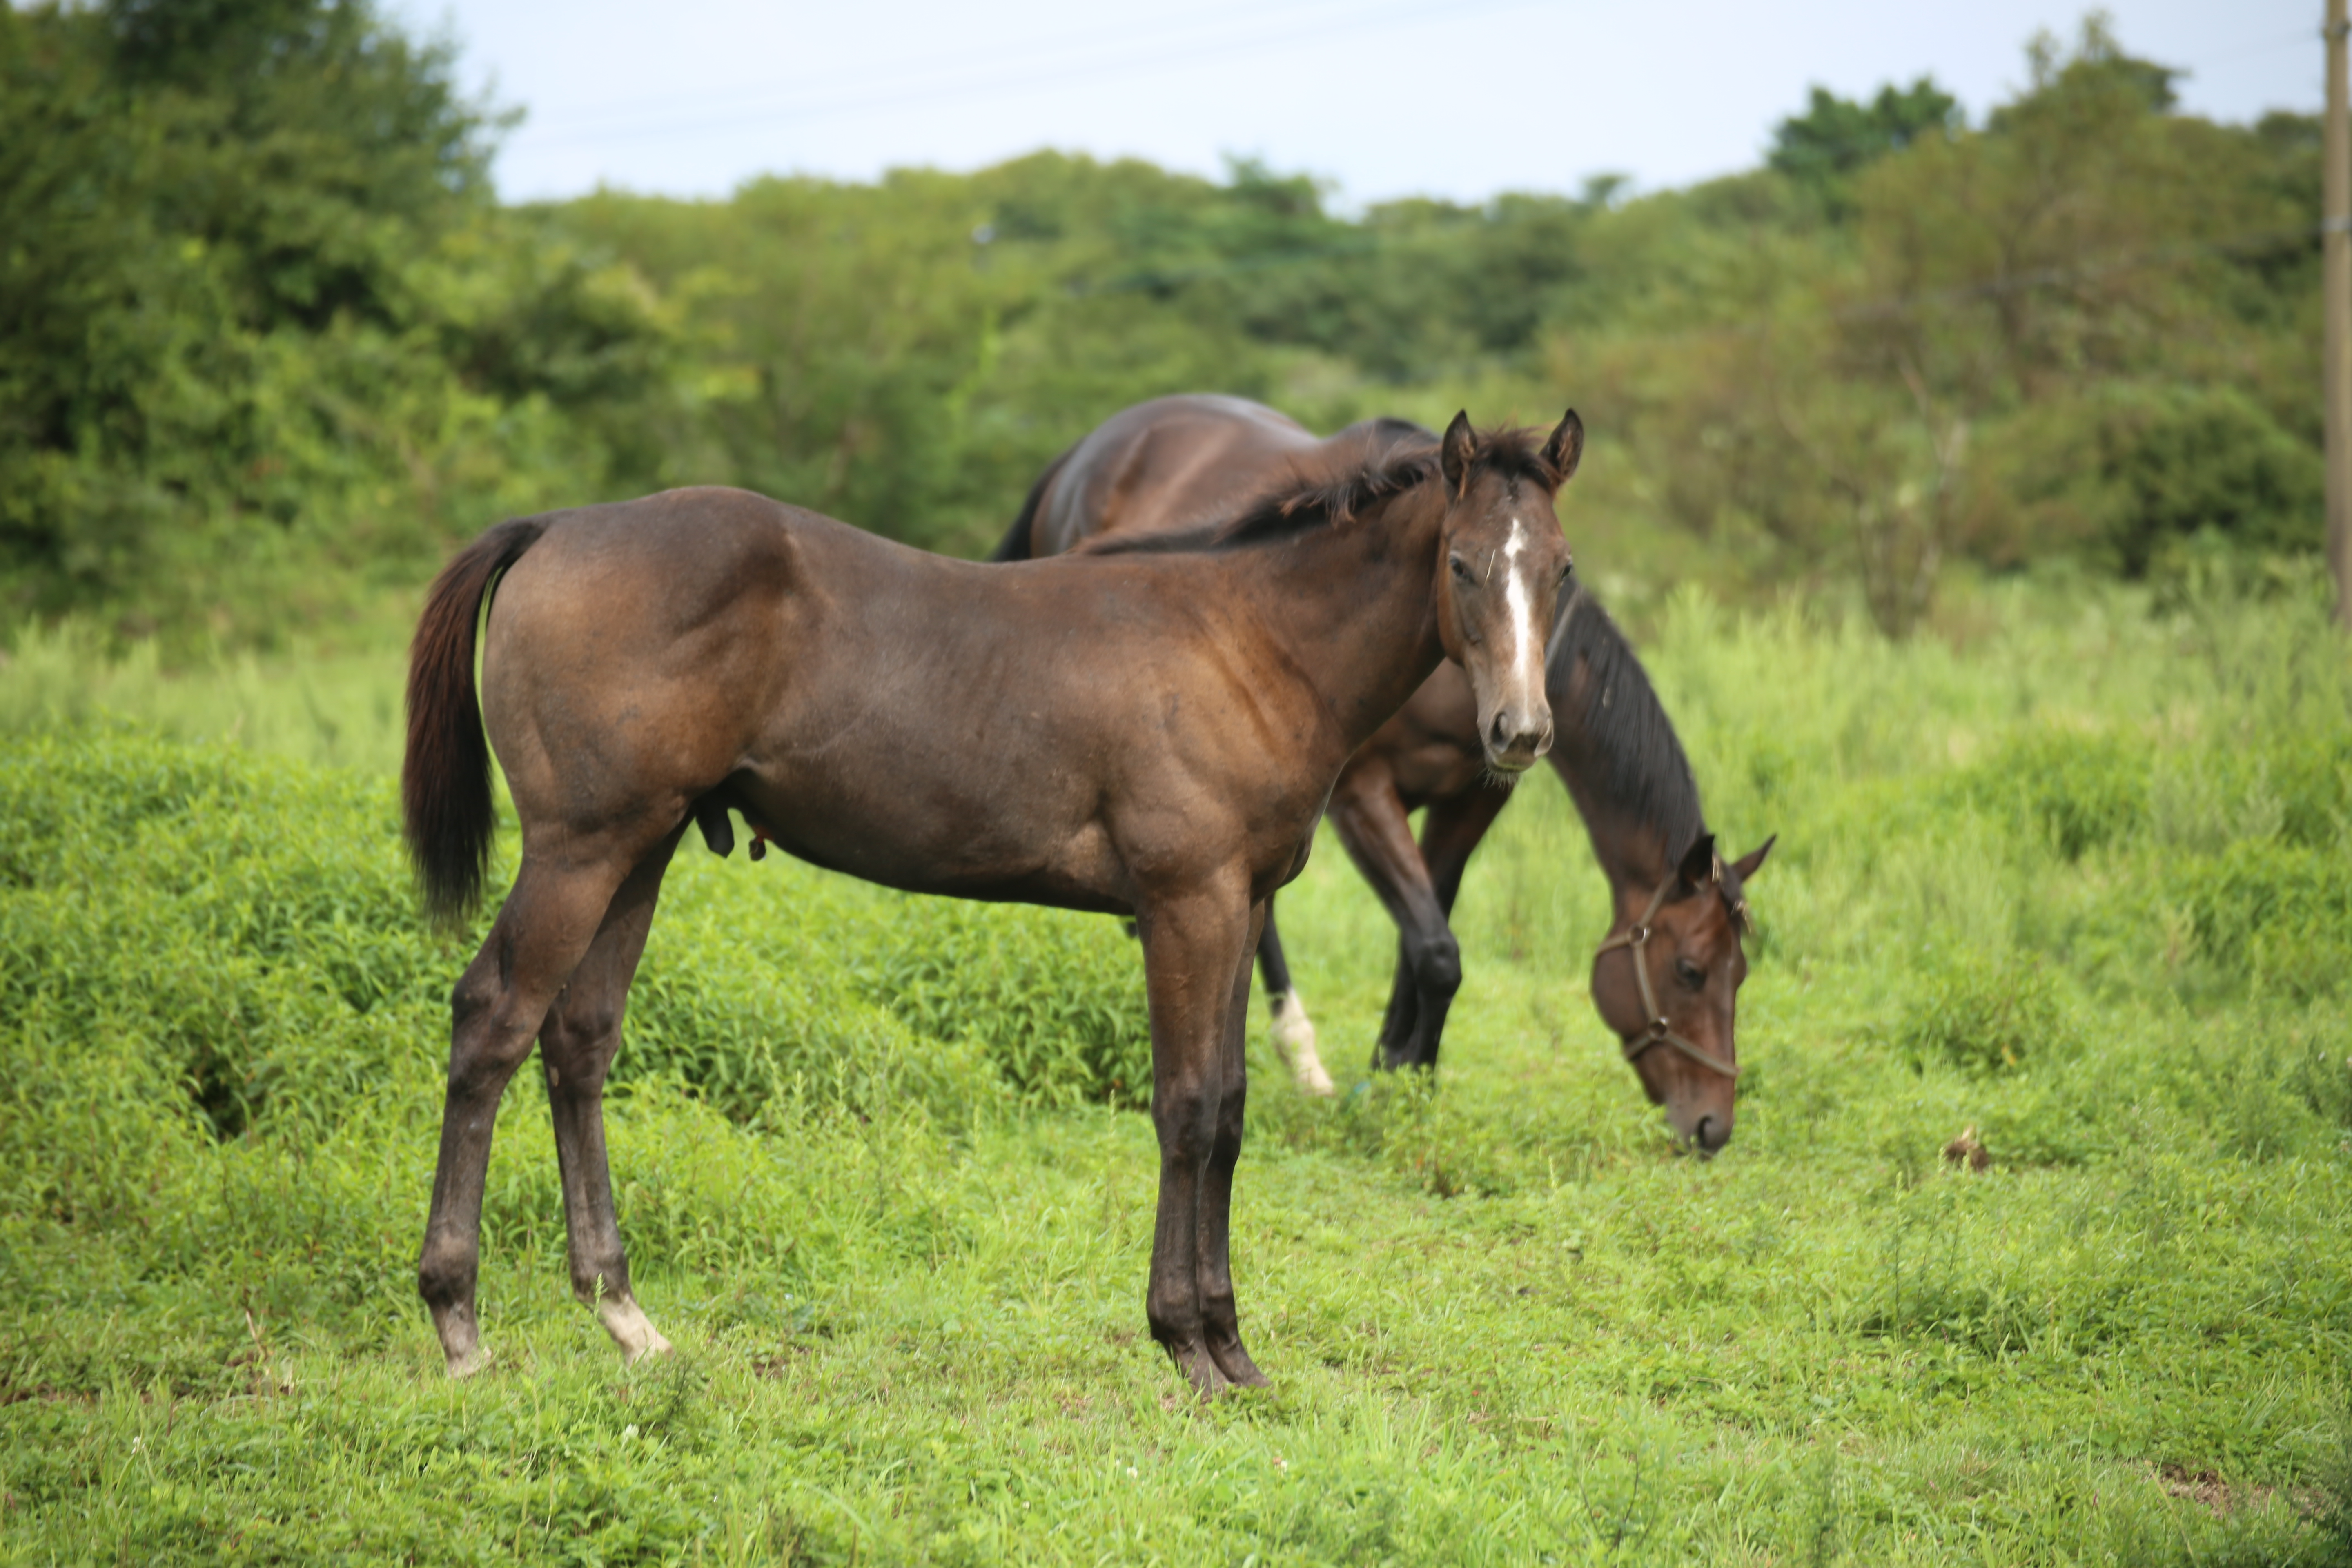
[[1501, 566], [1669, 985]]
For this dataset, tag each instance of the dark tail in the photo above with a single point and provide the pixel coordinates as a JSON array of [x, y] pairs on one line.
[[447, 813], [1014, 545]]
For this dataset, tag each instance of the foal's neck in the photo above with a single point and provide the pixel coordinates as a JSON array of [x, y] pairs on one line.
[[1353, 606]]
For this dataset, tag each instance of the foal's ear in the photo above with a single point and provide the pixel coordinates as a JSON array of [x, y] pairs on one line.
[[1455, 451], [1699, 866], [1565, 448], [1746, 865]]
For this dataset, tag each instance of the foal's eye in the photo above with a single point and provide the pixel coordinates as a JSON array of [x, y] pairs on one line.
[[1460, 569], [1691, 976], [1566, 573]]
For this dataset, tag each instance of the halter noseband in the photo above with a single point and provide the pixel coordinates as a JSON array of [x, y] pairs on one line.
[[1658, 1031]]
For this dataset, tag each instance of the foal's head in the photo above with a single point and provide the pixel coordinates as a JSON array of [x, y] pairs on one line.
[[1679, 1036], [1500, 568]]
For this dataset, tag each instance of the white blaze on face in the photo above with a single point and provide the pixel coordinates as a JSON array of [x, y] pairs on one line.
[[1526, 650]]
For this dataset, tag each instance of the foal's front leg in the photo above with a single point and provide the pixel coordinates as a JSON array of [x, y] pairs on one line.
[[1196, 954], [1220, 1318]]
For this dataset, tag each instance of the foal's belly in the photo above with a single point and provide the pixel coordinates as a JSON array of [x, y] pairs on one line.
[[930, 836]]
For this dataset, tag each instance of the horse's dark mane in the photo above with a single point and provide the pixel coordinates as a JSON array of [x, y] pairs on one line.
[[1017, 545], [1642, 771], [1407, 458]]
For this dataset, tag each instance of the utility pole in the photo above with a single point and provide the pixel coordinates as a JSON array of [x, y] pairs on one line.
[[2336, 278]]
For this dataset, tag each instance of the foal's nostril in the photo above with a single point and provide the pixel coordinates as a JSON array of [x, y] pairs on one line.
[[1511, 735]]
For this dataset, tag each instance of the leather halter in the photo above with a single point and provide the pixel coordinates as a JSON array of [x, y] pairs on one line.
[[1658, 1031]]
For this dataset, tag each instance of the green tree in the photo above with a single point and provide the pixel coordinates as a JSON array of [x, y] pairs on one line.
[[1823, 148], [257, 353]]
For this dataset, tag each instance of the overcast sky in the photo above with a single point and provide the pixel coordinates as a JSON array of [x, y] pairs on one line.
[[1458, 98]]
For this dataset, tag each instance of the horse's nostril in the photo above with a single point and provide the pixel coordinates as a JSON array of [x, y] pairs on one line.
[[1497, 732], [1705, 1136]]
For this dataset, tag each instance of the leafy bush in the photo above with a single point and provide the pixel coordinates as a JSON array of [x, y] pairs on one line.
[[2309, 771], [1055, 1003], [2084, 791], [2277, 913], [2134, 469], [1985, 1015], [235, 939]]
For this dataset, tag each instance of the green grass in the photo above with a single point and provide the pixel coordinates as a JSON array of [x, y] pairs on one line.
[[2075, 879]]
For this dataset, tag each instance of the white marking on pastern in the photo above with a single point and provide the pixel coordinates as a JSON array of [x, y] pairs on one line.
[[1294, 1042]]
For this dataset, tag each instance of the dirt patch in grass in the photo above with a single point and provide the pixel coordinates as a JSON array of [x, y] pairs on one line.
[[2220, 1499]]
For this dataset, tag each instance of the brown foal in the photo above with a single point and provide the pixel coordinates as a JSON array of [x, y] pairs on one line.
[[1150, 732], [1176, 462]]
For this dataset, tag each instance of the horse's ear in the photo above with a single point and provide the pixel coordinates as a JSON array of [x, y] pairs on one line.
[[1455, 451], [1565, 448], [1699, 864], [1746, 864]]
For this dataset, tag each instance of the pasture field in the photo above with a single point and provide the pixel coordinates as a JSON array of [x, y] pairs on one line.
[[2072, 873]]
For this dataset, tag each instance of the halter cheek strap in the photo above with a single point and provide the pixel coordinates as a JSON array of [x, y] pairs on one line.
[[1658, 1031]]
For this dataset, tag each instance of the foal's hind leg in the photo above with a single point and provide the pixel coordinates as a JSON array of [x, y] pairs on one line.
[[1220, 1317], [544, 927], [576, 1046]]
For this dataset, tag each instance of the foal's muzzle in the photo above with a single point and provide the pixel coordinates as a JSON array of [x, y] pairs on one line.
[[1514, 741]]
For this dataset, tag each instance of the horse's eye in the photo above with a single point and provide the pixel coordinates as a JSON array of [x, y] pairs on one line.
[[1460, 569], [1692, 977], [1566, 572]]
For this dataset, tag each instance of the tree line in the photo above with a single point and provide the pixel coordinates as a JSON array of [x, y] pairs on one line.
[[269, 343]]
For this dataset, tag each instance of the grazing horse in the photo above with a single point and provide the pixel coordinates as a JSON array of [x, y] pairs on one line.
[[1666, 977], [1162, 750]]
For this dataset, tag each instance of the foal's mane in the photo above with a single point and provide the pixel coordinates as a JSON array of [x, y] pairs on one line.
[[1643, 772], [1406, 457]]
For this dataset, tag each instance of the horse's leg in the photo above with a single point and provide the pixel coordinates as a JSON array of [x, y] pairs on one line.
[[1294, 1031], [576, 1045], [1195, 958], [1220, 1318], [1449, 832], [546, 924], [1369, 814]]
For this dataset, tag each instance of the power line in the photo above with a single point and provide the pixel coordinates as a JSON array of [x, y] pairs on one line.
[[960, 83], [765, 95]]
